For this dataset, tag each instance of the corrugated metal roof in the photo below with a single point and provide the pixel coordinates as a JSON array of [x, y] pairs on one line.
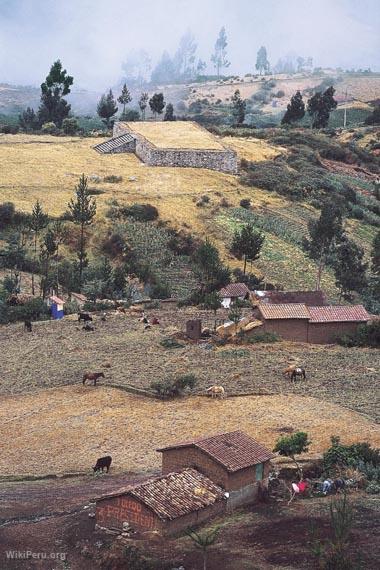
[[234, 450], [176, 494], [115, 142], [286, 311], [333, 314], [234, 290]]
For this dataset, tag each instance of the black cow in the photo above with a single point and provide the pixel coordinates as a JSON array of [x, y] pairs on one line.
[[28, 325], [85, 317], [103, 462]]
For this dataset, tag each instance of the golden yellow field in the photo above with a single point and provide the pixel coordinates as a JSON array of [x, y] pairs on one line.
[[176, 134], [66, 429], [255, 150]]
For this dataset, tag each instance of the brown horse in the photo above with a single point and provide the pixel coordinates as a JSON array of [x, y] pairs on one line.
[[92, 376]]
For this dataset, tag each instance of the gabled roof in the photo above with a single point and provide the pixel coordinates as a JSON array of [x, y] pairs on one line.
[[233, 450], [309, 298], [286, 311], [331, 314], [176, 494], [234, 290]]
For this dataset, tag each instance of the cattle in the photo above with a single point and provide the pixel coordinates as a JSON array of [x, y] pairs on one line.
[[88, 328], [92, 376], [216, 392], [28, 326], [103, 462], [85, 317]]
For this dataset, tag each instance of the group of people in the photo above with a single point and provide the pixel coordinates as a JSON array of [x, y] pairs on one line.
[[148, 322], [328, 487]]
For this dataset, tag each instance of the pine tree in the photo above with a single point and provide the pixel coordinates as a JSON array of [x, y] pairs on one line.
[[28, 120], [247, 244], [53, 107], [169, 113], [238, 108], [209, 269], [38, 221], [125, 97], [107, 108], [143, 102], [219, 57], [324, 235], [350, 271], [83, 211], [157, 104], [262, 63], [295, 110], [319, 107]]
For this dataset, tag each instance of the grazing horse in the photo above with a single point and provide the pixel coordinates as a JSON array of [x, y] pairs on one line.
[[103, 462], [28, 326], [84, 317], [216, 392], [92, 376], [298, 372]]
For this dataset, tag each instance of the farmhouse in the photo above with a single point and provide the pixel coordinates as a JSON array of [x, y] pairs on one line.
[[233, 292], [168, 504], [170, 143], [319, 325], [233, 460]]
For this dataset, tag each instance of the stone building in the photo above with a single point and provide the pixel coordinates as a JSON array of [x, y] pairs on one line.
[[128, 137], [233, 460]]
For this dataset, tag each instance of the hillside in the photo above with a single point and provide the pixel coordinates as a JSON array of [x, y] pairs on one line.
[[47, 168]]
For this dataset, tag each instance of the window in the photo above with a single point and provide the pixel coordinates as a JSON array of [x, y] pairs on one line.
[[259, 471]]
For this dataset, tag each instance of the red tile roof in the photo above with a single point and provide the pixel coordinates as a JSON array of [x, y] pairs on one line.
[[234, 450], [288, 311], [176, 494], [57, 300], [331, 314], [234, 290]]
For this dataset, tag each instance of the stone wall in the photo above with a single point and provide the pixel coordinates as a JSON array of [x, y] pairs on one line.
[[222, 160]]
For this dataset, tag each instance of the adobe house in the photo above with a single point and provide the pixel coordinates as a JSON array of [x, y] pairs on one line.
[[168, 504], [289, 321], [233, 292], [318, 325], [233, 460], [308, 298]]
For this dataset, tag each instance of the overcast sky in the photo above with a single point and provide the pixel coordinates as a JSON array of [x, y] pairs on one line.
[[93, 37]]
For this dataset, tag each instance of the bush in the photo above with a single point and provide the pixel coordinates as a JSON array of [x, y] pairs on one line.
[[265, 337], [130, 115], [171, 343], [112, 179], [340, 456], [70, 125], [49, 128], [245, 203], [7, 214], [170, 388], [373, 489], [33, 310], [366, 335], [140, 212], [160, 290], [9, 129]]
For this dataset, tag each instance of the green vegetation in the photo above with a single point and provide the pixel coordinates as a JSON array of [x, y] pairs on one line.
[[292, 445], [172, 388]]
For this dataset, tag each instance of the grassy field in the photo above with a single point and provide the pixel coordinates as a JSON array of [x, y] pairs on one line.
[[48, 168], [176, 134], [66, 429]]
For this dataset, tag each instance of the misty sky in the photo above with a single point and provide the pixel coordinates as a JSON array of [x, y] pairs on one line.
[[93, 37]]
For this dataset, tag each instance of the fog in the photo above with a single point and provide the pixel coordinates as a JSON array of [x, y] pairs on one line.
[[94, 37]]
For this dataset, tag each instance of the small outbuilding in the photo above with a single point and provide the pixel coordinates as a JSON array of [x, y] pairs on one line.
[[168, 504], [234, 461], [56, 307], [233, 292]]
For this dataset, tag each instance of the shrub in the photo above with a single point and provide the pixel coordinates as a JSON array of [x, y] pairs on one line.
[[366, 335], [160, 290], [171, 388], [130, 115], [245, 203], [373, 489], [171, 343], [265, 337], [7, 214], [49, 128], [9, 129], [340, 456], [70, 125], [140, 212], [33, 310], [112, 179]]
